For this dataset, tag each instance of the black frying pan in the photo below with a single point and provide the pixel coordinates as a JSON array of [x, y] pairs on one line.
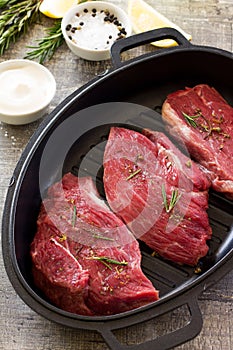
[[72, 138]]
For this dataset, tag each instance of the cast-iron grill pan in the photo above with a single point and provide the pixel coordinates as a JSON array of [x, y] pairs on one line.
[[81, 125]]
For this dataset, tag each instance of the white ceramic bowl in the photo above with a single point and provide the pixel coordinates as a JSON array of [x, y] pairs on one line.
[[27, 89], [94, 30]]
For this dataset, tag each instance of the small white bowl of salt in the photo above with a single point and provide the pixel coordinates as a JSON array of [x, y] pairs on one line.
[[92, 27]]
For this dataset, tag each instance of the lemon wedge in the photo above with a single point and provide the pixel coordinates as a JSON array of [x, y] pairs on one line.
[[144, 17], [56, 8]]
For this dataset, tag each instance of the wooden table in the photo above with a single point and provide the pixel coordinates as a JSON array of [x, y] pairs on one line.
[[211, 23]]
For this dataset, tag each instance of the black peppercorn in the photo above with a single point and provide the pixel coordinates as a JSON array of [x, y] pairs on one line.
[[68, 27]]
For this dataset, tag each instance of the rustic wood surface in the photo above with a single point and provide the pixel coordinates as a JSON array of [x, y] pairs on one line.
[[211, 23]]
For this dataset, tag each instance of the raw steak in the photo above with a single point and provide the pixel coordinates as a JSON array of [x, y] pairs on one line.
[[141, 173], [85, 260], [203, 120]]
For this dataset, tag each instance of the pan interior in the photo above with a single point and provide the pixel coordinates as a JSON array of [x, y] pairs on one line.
[[82, 154]]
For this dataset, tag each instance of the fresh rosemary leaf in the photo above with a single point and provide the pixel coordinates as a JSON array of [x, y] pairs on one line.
[[174, 199], [164, 195], [98, 236], [47, 45], [175, 196], [133, 174], [190, 119], [15, 18], [106, 261], [74, 215]]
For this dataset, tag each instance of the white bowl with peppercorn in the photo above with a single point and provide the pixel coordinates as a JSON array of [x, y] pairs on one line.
[[92, 27]]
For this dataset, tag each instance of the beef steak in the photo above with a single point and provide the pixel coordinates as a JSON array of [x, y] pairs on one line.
[[158, 192], [203, 120], [85, 260]]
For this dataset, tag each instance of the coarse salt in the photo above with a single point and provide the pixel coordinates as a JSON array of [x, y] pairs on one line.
[[95, 30]]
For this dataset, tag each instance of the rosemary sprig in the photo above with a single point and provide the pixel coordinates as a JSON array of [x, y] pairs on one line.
[[15, 18], [106, 261], [175, 196], [207, 127], [190, 119], [47, 45]]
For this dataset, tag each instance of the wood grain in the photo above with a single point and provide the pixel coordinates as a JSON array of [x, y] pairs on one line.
[[211, 23]]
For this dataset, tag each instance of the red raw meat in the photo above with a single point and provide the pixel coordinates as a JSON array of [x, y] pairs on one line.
[[85, 260], [138, 171], [209, 139]]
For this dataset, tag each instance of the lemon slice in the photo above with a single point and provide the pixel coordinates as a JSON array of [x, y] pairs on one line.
[[56, 8], [144, 17]]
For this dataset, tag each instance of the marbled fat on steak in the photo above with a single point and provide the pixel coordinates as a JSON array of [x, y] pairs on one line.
[[203, 120], [158, 192], [85, 260]]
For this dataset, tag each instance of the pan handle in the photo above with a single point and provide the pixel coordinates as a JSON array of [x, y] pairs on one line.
[[167, 341], [145, 38]]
